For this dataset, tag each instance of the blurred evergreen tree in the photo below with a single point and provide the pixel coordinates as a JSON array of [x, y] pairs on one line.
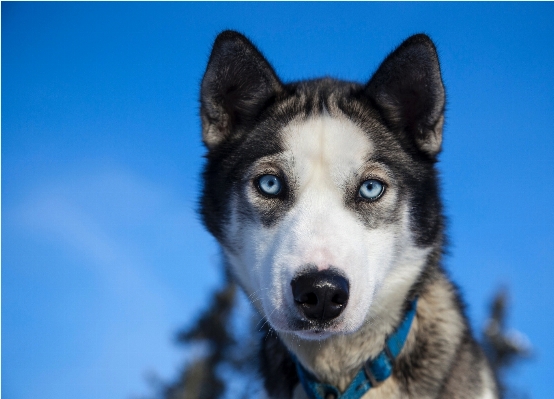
[[200, 379], [504, 348]]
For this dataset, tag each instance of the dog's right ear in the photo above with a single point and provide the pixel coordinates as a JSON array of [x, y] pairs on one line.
[[237, 84]]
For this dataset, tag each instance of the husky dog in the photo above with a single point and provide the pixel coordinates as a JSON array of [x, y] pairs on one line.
[[324, 197]]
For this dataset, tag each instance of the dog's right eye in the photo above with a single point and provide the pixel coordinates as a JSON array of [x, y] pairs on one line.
[[270, 185]]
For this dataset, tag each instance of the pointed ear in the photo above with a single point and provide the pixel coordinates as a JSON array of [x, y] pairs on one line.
[[407, 88], [237, 84]]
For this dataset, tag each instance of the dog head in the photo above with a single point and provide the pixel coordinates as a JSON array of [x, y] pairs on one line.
[[322, 193]]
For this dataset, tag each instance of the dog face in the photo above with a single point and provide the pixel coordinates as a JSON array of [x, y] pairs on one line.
[[323, 193]]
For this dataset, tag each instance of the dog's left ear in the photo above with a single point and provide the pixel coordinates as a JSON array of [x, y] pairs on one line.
[[408, 91]]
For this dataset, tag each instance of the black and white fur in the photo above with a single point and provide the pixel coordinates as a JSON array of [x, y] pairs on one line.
[[322, 139]]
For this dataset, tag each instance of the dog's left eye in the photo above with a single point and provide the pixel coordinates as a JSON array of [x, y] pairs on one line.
[[371, 189], [270, 185]]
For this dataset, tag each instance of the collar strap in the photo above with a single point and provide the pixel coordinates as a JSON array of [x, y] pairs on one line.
[[373, 372]]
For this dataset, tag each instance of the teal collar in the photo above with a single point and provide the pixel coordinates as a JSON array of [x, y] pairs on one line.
[[373, 372]]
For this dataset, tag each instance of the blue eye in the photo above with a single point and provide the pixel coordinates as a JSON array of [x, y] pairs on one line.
[[270, 185], [371, 189]]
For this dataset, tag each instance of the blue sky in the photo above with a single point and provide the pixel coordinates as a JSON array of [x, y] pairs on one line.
[[103, 255]]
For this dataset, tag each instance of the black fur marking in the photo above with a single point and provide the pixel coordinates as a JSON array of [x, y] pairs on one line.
[[277, 366]]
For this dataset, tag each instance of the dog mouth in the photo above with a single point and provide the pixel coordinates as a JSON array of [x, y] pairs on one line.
[[307, 329], [311, 326], [313, 330], [313, 335], [289, 321]]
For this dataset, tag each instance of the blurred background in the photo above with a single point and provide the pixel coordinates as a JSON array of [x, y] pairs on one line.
[[104, 260]]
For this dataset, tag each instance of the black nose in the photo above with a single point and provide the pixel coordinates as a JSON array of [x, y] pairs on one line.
[[320, 295]]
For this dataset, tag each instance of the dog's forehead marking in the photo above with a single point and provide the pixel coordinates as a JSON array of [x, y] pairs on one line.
[[326, 147]]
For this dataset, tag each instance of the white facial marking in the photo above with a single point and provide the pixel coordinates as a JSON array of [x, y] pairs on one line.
[[325, 158], [326, 151]]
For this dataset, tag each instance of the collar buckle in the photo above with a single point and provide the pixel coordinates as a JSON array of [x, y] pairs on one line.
[[369, 374], [386, 361]]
